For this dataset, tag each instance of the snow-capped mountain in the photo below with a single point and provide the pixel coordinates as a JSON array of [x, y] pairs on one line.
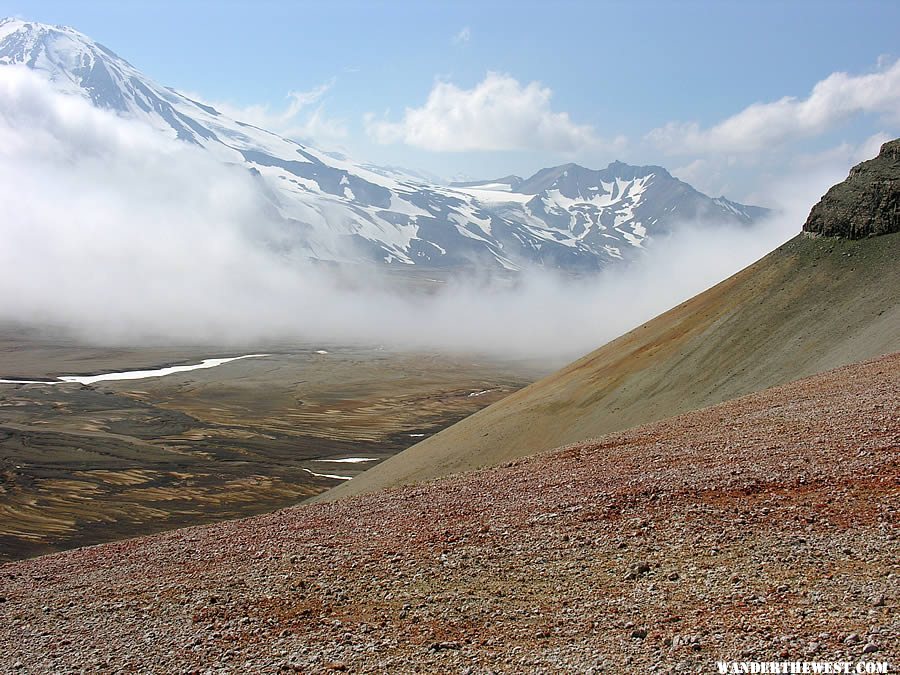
[[612, 210], [567, 216]]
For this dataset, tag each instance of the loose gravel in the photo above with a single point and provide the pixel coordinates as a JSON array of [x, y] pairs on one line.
[[764, 528]]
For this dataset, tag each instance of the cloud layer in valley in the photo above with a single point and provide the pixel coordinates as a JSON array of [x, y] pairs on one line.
[[118, 235]]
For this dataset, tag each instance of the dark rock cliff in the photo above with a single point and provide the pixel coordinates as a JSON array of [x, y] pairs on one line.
[[866, 204]]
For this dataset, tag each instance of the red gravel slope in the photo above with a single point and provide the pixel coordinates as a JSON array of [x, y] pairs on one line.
[[761, 528]]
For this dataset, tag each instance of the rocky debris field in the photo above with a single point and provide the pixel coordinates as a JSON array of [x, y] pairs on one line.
[[764, 528]]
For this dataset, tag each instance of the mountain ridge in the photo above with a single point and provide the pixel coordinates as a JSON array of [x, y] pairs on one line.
[[336, 209]]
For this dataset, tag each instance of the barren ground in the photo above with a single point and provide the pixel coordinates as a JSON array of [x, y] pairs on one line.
[[87, 464], [761, 528]]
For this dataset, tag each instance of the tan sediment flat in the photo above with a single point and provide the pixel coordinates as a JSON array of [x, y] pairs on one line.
[[811, 305], [86, 464], [761, 529]]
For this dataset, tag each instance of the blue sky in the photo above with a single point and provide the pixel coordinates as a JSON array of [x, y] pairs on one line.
[[509, 87]]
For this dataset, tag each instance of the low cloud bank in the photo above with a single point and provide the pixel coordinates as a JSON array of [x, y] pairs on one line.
[[119, 236]]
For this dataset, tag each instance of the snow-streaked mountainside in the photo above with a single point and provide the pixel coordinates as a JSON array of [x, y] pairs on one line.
[[567, 216]]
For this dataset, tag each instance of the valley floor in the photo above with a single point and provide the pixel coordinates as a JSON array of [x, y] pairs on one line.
[[764, 528], [87, 464]]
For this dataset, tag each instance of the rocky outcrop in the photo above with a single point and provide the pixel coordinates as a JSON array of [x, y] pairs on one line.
[[866, 204]]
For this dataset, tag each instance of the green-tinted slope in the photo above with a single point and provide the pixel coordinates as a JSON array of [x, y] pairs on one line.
[[810, 305]]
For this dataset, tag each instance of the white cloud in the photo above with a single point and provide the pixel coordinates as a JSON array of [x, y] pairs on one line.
[[704, 174], [764, 126], [760, 178], [297, 120], [499, 113], [463, 36], [844, 154], [104, 214], [119, 234]]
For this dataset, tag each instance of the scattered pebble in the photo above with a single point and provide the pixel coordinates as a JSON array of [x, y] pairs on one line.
[[471, 574]]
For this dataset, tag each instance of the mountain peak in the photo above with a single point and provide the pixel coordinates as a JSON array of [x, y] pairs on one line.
[[11, 23], [621, 168], [577, 177], [35, 31], [71, 60]]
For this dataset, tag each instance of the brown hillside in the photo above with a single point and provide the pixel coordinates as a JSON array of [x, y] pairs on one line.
[[811, 305], [764, 528]]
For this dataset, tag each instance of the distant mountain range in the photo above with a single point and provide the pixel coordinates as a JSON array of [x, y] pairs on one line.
[[335, 209]]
